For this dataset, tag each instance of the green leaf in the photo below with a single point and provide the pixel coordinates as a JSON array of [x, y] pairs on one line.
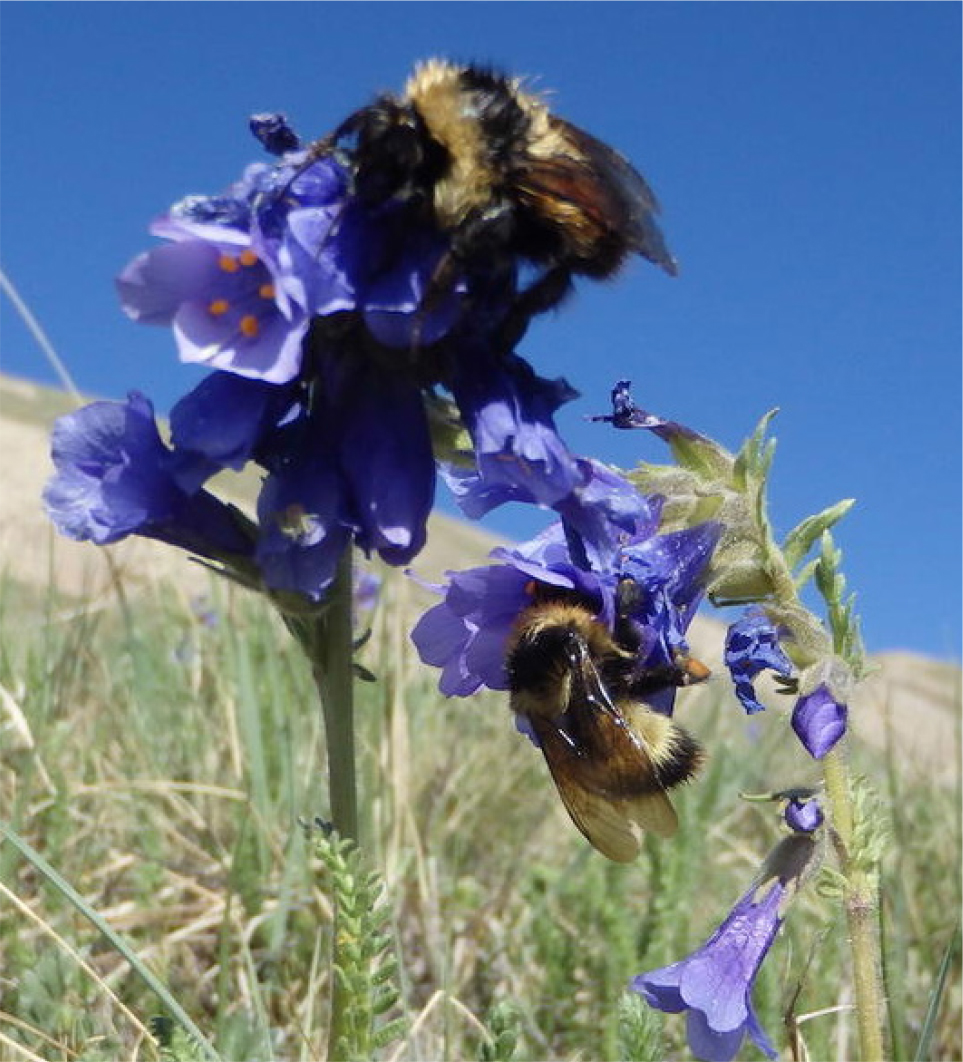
[[803, 536], [389, 1033]]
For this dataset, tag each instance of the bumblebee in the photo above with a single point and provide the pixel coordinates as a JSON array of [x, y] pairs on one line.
[[612, 757], [485, 161]]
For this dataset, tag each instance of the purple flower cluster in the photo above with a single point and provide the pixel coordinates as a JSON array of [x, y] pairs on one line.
[[611, 532], [309, 303], [317, 310], [244, 273]]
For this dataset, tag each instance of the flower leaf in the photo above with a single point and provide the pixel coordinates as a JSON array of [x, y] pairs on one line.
[[801, 538]]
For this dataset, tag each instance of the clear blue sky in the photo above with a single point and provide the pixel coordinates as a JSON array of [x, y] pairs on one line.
[[807, 157]]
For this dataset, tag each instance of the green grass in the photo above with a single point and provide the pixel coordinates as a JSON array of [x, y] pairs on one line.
[[166, 769]]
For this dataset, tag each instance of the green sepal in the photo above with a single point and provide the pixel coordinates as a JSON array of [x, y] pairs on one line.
[[709, 461], [803, 536]]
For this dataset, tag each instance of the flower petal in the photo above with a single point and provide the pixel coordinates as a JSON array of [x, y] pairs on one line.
[[819, 721]]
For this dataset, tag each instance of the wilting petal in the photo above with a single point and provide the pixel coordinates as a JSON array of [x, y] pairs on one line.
[[752, 645]]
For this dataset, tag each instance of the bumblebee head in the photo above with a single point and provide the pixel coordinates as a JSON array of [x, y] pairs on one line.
[[392, 153]]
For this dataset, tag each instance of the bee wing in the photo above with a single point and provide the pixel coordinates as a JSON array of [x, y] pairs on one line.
[[601, 765], [611, 823], [604, 187], [637, 202]]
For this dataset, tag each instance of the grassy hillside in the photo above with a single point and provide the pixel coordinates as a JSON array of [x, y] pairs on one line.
[[162, 744]]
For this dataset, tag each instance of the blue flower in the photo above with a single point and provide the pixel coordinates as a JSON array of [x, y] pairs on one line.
[[353, 463], [803, 814], [752, 645], [467, 632], [819, 721], [246, 270], [626, 415], [509, 413], [115, 477], [225, 298], [305, 525], [713, 986], [223, 423], [319, 306]]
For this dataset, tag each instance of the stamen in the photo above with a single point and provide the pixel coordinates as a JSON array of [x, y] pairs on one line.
[[249, 326], [266, 291], [218, 307], [228, 263], [295, 522], [248, 258]]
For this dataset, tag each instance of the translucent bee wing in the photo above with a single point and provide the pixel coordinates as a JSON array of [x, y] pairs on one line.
[[602, 766], [612, 824], [634, 201]]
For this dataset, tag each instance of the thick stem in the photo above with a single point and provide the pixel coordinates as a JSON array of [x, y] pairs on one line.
[[332, 664], [861, 903], [328, 642]]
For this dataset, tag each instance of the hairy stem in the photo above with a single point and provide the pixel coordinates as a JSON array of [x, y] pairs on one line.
[[861, 902], [861, 897]]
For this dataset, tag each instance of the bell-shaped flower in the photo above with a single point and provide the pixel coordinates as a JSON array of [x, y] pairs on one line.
[[115, 477], [713, 986]]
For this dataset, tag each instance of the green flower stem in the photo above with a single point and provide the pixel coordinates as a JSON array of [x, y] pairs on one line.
[[333, 669], [861, 901], [328, 642], [327, 639], [861, 895]]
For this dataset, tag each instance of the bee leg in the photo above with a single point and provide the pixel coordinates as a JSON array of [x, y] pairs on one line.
[[546, 293], [440, 284]]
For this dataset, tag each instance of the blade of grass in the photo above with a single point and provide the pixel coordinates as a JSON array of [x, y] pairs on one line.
[[33, 325], [929, 1023], [77, 901]]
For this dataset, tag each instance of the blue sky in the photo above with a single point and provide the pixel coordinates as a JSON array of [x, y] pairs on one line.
[[807, 157]]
